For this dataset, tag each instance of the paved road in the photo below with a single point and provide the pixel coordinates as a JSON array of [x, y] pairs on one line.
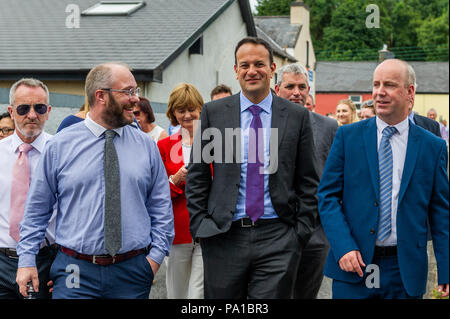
[[159, 288]]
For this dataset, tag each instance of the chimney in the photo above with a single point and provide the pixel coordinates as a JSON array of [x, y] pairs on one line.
[[385, 54], [300, 13]]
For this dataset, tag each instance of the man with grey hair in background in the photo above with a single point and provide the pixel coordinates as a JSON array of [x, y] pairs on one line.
[[293, 85], [19, 154], [114, 220], [422, 121], [310, 103]]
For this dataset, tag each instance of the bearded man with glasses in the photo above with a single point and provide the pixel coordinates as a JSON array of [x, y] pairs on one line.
[[19, 155], [114, 221]]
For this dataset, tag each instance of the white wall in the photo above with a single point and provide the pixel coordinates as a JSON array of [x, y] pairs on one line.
[[217, 61]]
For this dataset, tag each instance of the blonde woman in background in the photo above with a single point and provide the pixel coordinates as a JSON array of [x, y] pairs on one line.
[[345, 112], [184, 277]]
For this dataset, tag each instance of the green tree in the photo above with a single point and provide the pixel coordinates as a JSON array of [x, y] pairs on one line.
[[273, 7], [347, 36], [433, 37], [413, 29]]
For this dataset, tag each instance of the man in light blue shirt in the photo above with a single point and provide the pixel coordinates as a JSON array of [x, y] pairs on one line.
[[71, 172], [266, 119]]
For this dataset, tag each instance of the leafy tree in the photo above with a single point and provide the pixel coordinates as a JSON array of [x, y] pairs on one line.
[[273, 8], [433, 37], [413, 29], [347, 36]]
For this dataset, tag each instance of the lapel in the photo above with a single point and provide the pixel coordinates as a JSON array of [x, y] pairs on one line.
[[370, 145], [232, 118], [412, 151], [279, 117]]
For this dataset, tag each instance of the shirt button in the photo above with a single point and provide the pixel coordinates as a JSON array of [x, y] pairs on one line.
[[372, 231], [376, 203]]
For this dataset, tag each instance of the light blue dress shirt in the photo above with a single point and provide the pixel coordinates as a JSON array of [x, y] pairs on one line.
[[70, 172], [246, 119]]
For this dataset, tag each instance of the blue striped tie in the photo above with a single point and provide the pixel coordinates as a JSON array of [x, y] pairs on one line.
[[385, 168]]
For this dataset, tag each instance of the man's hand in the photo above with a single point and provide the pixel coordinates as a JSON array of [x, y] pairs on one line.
[[443, 289], [352, 262], [154, 265], [24, 276]]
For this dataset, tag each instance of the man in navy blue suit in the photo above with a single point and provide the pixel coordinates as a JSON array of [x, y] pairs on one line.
[[383, 177]]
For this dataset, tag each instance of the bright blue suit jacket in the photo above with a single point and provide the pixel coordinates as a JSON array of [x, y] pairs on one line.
[[349, 197]]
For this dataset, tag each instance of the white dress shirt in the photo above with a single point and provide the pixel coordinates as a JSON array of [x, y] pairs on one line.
[[9, 151], [399, 142]]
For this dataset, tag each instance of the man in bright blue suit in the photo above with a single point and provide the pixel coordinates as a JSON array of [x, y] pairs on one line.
[[383, 177]]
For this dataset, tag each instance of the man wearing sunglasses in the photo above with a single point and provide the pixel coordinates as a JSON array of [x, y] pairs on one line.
[[19, 155], [115, 221]]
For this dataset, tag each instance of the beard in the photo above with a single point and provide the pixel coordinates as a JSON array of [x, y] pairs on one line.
[[28, 133], [113, 114]]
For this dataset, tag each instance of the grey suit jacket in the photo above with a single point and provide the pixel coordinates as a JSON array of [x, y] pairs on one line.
[[324, 130], [212, 189]]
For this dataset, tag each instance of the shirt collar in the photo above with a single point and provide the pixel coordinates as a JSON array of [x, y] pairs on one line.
[[97, 129], [37, 144], [411, 117], [401, 127], [265, 105]]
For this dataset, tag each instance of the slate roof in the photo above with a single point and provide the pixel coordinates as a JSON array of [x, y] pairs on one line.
[[275, 47], [34, 36], [337, 77], [280, 29]]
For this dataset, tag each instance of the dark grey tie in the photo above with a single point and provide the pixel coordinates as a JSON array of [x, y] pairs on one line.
[[113, 221]]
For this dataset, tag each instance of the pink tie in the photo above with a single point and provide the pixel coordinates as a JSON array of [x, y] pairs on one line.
[[19, 189]]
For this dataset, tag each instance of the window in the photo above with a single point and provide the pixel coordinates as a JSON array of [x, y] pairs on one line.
[[197, 47], [357, 99], [107, 8]]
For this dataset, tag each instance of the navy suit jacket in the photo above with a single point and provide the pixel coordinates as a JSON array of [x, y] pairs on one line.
[[428, 124], [349, 197]]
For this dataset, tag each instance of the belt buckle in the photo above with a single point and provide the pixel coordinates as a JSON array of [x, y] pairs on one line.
[[94, 260], [246, 226]]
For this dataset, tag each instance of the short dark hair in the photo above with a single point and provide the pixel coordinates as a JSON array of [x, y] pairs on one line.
[[255, 41], [144, 106], [221, 88], [6, 114]]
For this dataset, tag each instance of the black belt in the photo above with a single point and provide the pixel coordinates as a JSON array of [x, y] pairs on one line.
[[12, 253], [385, 251], [247, 222], [9, 252]]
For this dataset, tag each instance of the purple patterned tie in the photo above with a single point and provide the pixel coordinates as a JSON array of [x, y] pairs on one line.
[[254, 190]]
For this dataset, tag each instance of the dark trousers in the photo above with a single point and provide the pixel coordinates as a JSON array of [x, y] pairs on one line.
[[79, 279], [390, 284], [8, 270], [312, 262], [255, 262]]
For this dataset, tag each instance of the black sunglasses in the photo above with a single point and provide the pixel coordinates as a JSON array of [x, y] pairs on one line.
[[39, 108]]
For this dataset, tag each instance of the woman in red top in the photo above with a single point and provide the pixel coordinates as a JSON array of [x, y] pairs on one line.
[[184, 277]]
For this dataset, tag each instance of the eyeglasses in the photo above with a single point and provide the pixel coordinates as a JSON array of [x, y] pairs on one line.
[[137, 113], [39, 108], [6, 130], [131, 92]]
